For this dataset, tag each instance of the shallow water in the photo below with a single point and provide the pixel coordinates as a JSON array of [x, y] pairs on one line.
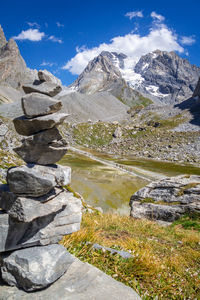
[[110, 188]]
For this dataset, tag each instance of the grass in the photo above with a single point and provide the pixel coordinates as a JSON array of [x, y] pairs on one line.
[[165, 263], [191, 221]]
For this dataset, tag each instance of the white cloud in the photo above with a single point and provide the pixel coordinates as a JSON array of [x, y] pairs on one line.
[[33, 35], [33, 24], [55, 39], [133, 14], [187, 40], [132, 44], [59, 24], [47, 64], [157, 17]]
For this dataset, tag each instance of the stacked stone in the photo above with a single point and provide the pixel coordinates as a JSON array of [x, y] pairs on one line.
[[36, 211]]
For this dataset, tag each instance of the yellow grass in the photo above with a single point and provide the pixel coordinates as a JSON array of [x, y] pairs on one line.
[[165, 263]]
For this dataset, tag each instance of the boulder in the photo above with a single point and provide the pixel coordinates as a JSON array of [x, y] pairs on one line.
[[45, 147], [25, 126], [46, 88], [167, 199], [45, 230], [47, 76], [117, 133], [37, 180], [36, 104], [35, 268]]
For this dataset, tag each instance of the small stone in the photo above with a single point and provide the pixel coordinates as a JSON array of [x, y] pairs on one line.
[[35, 268], [25, 126], [117, 133], [37, 180], [46, 88], [36, 104]]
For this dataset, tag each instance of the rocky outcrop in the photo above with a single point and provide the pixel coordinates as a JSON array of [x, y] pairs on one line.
[[167, 76], [102, 75], [197, 90], [35, 208], [167, 199]]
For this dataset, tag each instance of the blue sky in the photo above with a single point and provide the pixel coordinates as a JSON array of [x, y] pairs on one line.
[[62, 36]]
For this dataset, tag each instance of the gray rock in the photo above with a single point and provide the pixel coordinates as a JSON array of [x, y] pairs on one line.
[[44, 230], [25, 126], [47, 76], [197, 90], [25, 209], [35, 268], [82, 281], [173, 77], [117, 133], [167, 199], [102, 74], [46, 88], [36, 104], [123, 254], [45, 147], [37, 180]]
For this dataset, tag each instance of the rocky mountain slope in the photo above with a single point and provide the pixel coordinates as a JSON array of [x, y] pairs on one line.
[[102, 74], [13, 69], [167, 76], [160, 75]]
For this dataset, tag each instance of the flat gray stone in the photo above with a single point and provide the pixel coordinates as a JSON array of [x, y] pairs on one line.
[[44, 230], [82, 281], [47, 76], [25, 126], [46, 88], [37, 180], [35, 268], [46, 147], [26, 209], [36, 104]]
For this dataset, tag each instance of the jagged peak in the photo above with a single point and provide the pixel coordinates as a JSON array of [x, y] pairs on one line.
[[3, 40]]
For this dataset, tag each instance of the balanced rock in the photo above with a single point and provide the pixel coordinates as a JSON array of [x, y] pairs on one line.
[[46, 88], [36, 104], [25, 126], [25, 209], [35, 268], [167, 199], [45, 147], [45, 230], [47, 76], [37, 180]]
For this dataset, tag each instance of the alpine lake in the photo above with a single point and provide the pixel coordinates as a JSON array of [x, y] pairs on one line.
[[107, 187]]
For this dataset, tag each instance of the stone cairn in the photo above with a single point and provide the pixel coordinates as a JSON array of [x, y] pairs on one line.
[[36, 210]]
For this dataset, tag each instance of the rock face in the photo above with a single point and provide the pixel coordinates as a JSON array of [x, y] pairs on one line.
[[13, 70], [167, 76], [197, 90], [36, 104], [35, 268], [102, 75], [35, 208], [168, 199]]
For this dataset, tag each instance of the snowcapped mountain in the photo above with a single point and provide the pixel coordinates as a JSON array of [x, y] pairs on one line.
[[159, 75], [103, 74]]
